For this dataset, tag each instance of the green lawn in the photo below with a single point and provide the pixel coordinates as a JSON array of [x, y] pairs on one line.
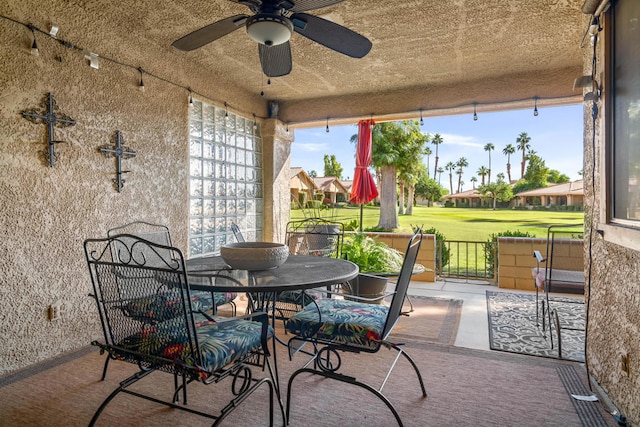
[[464, 223]]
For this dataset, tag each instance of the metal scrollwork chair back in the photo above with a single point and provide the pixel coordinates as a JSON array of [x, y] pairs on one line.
[[335, 325], [150, 318], [160, 235], [314, 237]]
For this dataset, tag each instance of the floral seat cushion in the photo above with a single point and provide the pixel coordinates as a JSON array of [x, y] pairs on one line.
[[341, 321], [165, 304], [221, 342]]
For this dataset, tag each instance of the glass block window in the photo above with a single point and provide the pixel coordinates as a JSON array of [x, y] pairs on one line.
[[225, 171]]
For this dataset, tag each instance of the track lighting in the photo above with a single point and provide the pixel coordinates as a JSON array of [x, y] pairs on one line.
[[475, 114], [141, 85], [535, 106]]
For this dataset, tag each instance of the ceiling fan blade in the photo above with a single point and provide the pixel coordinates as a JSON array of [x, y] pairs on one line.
[[304, 5], [331, 35], [275, 60], [211, 32]]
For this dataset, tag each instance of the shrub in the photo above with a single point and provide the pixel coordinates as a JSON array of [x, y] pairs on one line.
[[442, 251]]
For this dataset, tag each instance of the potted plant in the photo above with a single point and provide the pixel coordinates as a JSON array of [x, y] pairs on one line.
[[371, 257]]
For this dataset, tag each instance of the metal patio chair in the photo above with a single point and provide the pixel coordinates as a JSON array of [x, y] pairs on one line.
[[560, 273], [159, 234], [173, 333], [335, 325], [313, 237]]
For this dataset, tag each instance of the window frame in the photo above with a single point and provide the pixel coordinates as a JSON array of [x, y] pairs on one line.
[[615, 230]]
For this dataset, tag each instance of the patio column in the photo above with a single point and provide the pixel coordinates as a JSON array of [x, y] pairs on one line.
[[276, 156]]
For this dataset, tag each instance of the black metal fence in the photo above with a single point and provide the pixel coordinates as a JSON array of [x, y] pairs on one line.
[[466, 260]]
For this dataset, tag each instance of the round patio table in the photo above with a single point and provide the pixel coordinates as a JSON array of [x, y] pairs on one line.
[[298, 272]]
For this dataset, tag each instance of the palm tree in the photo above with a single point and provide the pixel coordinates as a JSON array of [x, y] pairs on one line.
[[482, 171], [437, 140], [459, 173], [440, 171], [461, 163], [508, 151], [450, 166], [488, 147], [500, 177], [473, 180], [522, 142], [427, 152]]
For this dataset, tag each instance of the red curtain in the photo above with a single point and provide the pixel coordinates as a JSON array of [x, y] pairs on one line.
[[364, 187]]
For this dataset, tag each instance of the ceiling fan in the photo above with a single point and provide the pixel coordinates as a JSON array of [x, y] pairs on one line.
[[272, 24]]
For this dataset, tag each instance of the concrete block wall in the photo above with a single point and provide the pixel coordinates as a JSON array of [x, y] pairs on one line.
[[515, 259]]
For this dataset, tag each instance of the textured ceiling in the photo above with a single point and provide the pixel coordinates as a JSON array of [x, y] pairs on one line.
[[439, 56]]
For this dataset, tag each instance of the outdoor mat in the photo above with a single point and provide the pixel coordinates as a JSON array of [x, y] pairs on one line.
[[433, 320], [513, 328]]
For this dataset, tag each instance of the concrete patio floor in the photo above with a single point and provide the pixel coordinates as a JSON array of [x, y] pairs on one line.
[[473, 331]]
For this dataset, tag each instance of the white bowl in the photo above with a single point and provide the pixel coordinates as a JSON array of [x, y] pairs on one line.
[[254, 255]]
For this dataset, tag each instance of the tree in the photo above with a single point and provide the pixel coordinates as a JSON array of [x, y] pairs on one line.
[[537, 171], [389, 151], [482, 172], [450, 166], [313, 173], [473, 180], [522, 142], [411, 167], [557, 177], [508, 151], [437, 140], [331, 166], [461, 163], [488, 148], [496, 191], [440, 172], [429, 189], [427, 152]]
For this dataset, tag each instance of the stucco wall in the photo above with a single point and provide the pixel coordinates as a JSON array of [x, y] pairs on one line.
[[46, 213], [614, 308]]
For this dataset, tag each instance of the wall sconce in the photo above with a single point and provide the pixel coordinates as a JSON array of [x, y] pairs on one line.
[[421, 119], [535, 106], [475, 114], [327, 128]]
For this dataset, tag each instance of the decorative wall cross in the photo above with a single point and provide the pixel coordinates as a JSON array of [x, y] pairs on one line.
[[119, 152], [52, 118]]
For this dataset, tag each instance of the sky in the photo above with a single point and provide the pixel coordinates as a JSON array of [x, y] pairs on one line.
[[556, 136]]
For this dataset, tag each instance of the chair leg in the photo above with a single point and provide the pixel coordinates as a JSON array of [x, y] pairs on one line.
[[557, 319], [104, 370], [344, 379]]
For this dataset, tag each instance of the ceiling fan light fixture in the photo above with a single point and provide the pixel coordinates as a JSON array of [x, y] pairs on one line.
[[269, 29]]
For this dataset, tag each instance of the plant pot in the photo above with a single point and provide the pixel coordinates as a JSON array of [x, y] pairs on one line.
[[322, 239], [366, 286]]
